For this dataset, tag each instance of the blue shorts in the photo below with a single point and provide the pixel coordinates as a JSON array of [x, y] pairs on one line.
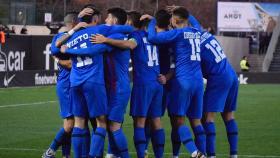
[[63, 94], [89, 100], [146, 100], [186, 98], [221, 93], [117, 103]]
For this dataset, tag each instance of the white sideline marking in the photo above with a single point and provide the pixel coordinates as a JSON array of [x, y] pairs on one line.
[[256, 156], [17, 105]]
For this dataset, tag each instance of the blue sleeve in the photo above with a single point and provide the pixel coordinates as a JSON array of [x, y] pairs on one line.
[[95, 49], [194, 22], [162, 37], [91, 51], [108, 30], [54, 49]]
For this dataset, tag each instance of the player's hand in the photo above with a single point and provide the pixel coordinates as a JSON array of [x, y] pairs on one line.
[[80, 25], [86, 11], [162, 79], [171, 8], [63, 49], [146, 16], [98, 38]]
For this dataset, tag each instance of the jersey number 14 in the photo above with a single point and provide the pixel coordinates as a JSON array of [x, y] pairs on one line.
[[152, 55]]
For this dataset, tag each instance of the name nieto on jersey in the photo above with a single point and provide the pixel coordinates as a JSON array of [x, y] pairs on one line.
[[76, 40]]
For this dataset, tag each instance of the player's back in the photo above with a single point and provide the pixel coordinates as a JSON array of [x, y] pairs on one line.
[[213, 59], [117, 67], [187, 53], [64, 73], [85, 68], [145, 59]]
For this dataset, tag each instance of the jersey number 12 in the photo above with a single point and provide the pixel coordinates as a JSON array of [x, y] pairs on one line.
[[216, 50]]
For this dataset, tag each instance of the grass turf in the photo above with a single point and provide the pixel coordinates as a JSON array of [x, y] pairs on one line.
[[26, 130]]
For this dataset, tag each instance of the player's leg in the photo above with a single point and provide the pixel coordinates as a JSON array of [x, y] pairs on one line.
[[148, 131], [228, 117], [139, 136], [195, 114], [210, 129], [155, 113], [80, 133], [175, 138], [232, 132], [68, 125], [186, 137], [140, 97], [63, 137], [214, 99], [177, 109], [117, 108], [96, 99]]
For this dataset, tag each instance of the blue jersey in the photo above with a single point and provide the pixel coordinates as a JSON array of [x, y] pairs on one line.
[[86, 67], [145, 59], [186, 47], [117, 67], [116, 63], [64, 73], [213, 58]]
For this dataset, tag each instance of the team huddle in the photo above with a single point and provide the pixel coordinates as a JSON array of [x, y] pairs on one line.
[[170, 55]]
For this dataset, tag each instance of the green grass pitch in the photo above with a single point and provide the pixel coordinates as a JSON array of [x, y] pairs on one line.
[[29, 120]]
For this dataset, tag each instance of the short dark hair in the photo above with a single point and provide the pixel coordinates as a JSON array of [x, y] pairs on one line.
[[181, 12], [71, 17], [163, 18], [145, 22], [88, 18], [119, 13], [135, 18]]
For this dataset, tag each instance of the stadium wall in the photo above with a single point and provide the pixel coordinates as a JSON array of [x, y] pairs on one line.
[[235, 49], [26, 61]]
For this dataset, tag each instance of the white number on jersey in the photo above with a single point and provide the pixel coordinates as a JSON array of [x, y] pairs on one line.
[[152, 55], [216, 49], [86, 61], [195, 43]]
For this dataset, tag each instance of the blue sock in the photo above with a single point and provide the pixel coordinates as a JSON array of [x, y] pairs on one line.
[[186, 138], [112, 148], [158, 140], [97, 142], [66, 146], [80, 142], [176, 143], [210, 131], [139, 141], [200, 138], [58, 140], [121, 143], [148, 136], [232, 134], [109, 150]]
